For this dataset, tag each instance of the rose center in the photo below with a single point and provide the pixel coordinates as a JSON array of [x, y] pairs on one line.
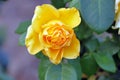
[[57, 36]]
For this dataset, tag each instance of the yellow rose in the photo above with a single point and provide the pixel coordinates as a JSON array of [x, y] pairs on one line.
[[117, 16], [52, 33]]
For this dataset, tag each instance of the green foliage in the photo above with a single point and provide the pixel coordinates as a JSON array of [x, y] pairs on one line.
[[58, 3], [22, 30], [75, 3], [2, 35], [21, 41], [105, 61], [104, 78], [119, 54], [83, 31], [3, 0], [61, 72], [92, 44], [88, 64], [23, 27], [4, 76], [98, 14], [43, 66], [109, 47], [76, 64]]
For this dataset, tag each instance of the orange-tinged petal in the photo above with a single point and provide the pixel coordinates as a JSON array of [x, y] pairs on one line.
[[43, 14], [51, 53], [55, 55], [58, 58], [72, 51], [70, 16], [32, 41]]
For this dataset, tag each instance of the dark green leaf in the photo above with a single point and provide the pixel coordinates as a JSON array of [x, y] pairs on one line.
[[89, 65], [83, 31], [58, 3], [3, 0], [43, 66], [109, 47], [92, 44], [105, 61], [22, 39], [40, 55], [76, 64], [61, 72], [66, 1], [23, 27], [98, 14], [119, 54], [75, 3]]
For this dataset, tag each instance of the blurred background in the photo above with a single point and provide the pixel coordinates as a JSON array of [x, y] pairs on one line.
[[16, 63]]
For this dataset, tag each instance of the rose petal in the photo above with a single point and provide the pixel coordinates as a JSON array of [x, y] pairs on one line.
[[43, 14], [116, 5], [55, 55], [70, 16], [32, 41], [72, 51]]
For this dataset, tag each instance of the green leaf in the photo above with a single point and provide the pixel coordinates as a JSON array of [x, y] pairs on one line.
[[76, 64], [43, 66], [89, 65], [75, 3], [109, 47], [58, 3], [83, 31], [92, 44], [105, 61], [2, 35], [21, 41], [104, 78], [98, 14], [53, 73], [119, 54], [3, 0], [4, 76], [61, 72], [40, 55], [23, 27], [68, 72], [66, 1]]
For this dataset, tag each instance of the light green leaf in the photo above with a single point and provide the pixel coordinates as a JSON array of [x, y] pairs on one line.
[[105, 61], [21, 41], [74, 3], [68, 72], [89, 65], [23, 27], [92, 44], [43, 66], [98, 14], [54, 73], [76, 64], [61, 72]]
